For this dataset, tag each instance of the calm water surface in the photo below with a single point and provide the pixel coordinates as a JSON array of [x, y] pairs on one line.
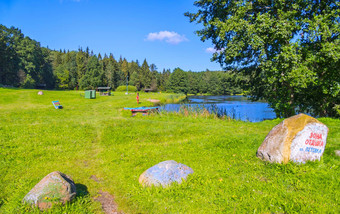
[[237, 107]]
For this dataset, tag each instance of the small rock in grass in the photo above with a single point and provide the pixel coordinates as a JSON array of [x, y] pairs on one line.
[[337, 152], [55, 187], [165, 173], [299, 138], [40, 93]]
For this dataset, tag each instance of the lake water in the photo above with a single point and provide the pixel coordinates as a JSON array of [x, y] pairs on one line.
[[236, 107]]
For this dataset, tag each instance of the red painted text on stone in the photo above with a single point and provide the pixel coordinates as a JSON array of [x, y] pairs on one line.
[[315, 136]]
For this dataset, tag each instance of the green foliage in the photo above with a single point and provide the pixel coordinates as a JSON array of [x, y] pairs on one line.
[[9, 60], [62, 76], [146, 75], [93, 76], [81, 61], [337, 110], [163, 79], [289, 50], [178, 81], [95, 138], [22, 57], [111, 70], [214, 83], [122, 88], [28, 82]]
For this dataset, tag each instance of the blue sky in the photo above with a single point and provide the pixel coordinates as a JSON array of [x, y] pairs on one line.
[[153, 29]]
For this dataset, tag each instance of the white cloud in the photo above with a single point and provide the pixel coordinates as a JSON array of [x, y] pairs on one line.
[[169, 37], [210, 50], [213, 50]]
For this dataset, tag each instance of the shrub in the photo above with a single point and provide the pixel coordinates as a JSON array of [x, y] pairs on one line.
[[29, 82], [122, 88]]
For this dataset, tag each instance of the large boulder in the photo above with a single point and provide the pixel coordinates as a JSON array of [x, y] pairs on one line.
[[165, 173], [54, 188], [299, 138]]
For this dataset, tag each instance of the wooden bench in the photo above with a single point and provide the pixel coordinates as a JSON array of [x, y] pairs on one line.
[[143, 110]]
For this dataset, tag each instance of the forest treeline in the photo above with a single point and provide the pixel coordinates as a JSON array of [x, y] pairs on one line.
[[24, 63]]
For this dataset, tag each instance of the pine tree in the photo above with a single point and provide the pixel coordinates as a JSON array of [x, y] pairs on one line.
[[93, 76], [81, 61], [124, 67], [178, 81], [146, 76]]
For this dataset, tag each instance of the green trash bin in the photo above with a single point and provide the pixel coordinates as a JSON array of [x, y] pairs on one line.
[[90, 94], [93, 94]]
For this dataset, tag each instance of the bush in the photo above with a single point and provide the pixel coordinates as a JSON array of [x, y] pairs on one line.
[[29, 82], [122, 88]]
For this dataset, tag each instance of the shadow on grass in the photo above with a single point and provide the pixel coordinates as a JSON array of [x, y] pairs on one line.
[[81, 190]]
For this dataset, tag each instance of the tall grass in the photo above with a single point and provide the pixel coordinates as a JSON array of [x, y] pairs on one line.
[[201, 110], [96, 137], [172, 98]]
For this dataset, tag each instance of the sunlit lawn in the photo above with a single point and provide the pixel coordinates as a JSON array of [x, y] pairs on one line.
[[96, 138]]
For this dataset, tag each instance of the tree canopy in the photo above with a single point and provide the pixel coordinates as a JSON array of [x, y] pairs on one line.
[[290, 50], [24, 63]]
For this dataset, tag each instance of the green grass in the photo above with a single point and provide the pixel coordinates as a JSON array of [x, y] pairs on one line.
[[95, 137]]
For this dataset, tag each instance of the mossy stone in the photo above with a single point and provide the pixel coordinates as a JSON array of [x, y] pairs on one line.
[[54, 188]]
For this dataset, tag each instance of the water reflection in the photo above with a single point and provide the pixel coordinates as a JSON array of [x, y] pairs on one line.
[[236, 107]]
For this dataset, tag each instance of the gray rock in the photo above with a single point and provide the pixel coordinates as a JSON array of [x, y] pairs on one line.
[[54, 188], [165, 173], [337, 152]]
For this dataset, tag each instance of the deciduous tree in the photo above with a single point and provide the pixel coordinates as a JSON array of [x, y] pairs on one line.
[[289, 49]]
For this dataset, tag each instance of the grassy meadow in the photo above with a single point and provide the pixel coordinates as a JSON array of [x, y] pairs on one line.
[[95, 139]]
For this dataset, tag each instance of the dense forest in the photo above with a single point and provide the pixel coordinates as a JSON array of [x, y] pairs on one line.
[[24, 63]]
